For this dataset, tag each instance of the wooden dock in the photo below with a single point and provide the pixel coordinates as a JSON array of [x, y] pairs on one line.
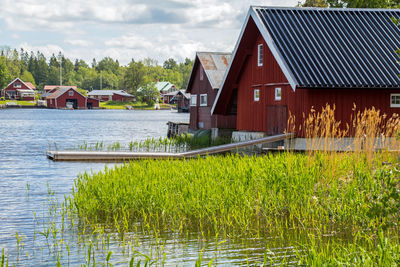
[[65, 155]]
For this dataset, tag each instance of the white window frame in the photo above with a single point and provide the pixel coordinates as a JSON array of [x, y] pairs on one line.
[[17, 85], [394, 105], [193, 100], [71, 93], [256, 95], [203, 97], [260, 55], [278, 94]]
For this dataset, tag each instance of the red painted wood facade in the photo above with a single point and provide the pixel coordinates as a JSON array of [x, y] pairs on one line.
[[269, 115], [200, 116], [121, 98], [92, 103], [14, 91], [60, 100]]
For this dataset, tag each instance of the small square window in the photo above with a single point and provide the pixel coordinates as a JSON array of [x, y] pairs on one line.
[[256, 94], [278, 94], [395, 100], [260, 55], [203, 100], [193, 100], [71, 93]]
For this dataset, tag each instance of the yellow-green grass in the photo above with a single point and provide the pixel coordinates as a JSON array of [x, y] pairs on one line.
[[245, 196], [18, 102]]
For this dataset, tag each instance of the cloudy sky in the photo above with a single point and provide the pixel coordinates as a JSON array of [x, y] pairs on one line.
[[125, 29]]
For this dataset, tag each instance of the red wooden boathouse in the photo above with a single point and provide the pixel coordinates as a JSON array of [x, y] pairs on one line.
[[205, 79], [293, 59], [70, 98]]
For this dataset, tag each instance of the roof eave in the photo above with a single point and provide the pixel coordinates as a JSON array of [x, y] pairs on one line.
[[274, 50], [231, 61]]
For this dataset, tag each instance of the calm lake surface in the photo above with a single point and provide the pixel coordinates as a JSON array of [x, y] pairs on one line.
[[28, 180]]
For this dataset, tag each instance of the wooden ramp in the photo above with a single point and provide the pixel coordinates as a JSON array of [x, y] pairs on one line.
[[65, 155]]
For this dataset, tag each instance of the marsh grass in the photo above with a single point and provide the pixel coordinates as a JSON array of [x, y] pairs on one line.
[[180, 143], [332, 207]]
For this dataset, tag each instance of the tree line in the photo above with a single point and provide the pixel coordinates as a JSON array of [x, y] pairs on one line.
[[351, 3], [37, 69]]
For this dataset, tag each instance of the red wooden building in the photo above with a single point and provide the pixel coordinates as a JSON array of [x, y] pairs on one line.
[[182, 101], [70, 98], [205, 79], [293, 59], [112, 95], [19, 90]]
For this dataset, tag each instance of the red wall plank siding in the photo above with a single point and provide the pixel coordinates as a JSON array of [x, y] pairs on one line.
[[262, 116], [201, 115], [121, 98]]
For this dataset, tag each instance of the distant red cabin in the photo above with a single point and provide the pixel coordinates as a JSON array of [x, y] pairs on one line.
[[205, 79], [290, 60], [19, 90], [111, 95], [70, 98]]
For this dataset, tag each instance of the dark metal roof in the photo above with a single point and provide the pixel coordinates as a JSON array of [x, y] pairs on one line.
[[334, 47]]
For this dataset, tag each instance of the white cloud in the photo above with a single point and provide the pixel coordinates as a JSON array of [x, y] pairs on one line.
[[125, 29], [46, 50], [82, 43]]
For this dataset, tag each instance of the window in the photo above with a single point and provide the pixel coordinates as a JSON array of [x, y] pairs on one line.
[[71, 93], [256, 94], [201, 73], [17, 85], [51, 101], [395, 100], [193, 100], [278, 94], [201, 124], [260, 55], [203, 100]]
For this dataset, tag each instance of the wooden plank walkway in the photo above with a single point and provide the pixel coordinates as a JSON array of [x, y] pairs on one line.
[[65, 155]]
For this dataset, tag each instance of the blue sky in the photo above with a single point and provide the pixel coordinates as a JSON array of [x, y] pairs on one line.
[[124, 29]]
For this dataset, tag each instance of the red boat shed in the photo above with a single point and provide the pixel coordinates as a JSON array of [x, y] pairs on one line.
[[66, 98], [205, 79], [293, 59]]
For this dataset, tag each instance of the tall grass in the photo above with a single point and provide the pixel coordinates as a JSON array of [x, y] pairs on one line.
[[180, 143], [242, 195], [333, 208]]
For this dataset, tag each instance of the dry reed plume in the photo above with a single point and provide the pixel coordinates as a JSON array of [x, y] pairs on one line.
[[367, 131]]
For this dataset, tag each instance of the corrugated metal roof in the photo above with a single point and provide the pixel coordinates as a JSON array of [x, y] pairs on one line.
[[58, 92], [51, 87], [335, 47], [215, 65]]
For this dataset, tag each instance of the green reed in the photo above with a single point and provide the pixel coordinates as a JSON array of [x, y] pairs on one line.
[[245, 196], [179, 143]]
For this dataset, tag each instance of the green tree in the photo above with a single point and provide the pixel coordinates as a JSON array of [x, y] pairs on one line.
[[5, 76], [148, 93], [134, 76], [315, 3], [28, 77], [170, 64], [108, 64]]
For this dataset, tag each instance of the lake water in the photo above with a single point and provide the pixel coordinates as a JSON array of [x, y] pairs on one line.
[[28, 178]]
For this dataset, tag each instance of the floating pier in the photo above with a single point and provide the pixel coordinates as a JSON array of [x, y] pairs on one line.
[[65, 155]]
